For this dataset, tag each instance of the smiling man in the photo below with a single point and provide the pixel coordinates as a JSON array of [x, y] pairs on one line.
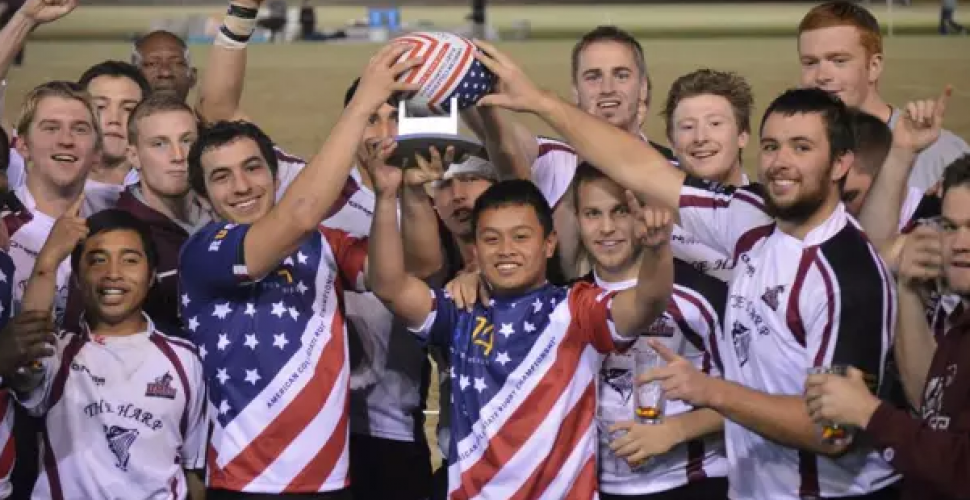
[[840, 51], [833, 307], [123, 404]]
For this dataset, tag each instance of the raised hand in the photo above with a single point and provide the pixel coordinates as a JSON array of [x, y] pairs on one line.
[[680, 379], [379, 82], [652, 226], [45, 11], [69, 230], [513, 90], [28, 337], [386, 178], [921, 258], [921, 122], [431, 170]]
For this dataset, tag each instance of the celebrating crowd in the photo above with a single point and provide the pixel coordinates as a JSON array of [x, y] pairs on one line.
[[188, 311]]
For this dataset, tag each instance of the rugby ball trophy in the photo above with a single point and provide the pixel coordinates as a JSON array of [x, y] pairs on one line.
[[450, 79]]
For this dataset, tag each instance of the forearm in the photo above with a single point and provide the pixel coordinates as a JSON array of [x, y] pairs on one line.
[[220, 92], [782, 419], [42, 285], [419, 232], [12, 39], [697, 424], [914, 344], [623, 157], [655, 283], [880, 212], [936, 457], [386, 272], [510, 146]]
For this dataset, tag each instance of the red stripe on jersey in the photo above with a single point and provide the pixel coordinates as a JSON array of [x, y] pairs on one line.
[[747, 240], [577, 423], [832, 295], [792, 315], [50, 468], [160, 343], [349, 190], [311, 477], [712, 325], [524, 422], [16, 220], [695, 448], [457, 72], [287, 426], [585, 486], [549, 147], [808, 470], [8, 451], [60, 376]]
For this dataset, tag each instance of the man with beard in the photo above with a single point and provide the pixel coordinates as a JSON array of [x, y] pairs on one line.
[[165, 61], [927, 450], [840, 51], [809, 289], [609, 80], [160, 131]]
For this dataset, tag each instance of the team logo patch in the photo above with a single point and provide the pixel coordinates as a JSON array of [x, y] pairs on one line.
[[161, 387], [771, 294], [741, 335], [620, 380], [119, 442]]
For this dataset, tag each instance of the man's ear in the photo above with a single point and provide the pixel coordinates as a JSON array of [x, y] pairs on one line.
[[550, 246]]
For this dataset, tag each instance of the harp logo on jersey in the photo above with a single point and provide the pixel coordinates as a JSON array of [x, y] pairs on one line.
[[161, 387], [119, 442]]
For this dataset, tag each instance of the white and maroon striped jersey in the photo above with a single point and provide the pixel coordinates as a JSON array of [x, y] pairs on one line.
[[123, 416], [275, 356], [29, 229], [794, 304], [694, 313], [7, 449], [524, 390], [386, 363]]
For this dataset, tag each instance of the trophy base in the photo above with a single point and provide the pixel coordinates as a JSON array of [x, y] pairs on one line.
[[410, 145]]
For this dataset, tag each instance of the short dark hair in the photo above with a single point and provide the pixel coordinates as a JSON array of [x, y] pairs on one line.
[[873, 139], [116, 69], [114, 219], [956, 174], [155, 103], [515, 192], [220, 134], [4, 149], [617, 35], [834, 113], [585, 172]]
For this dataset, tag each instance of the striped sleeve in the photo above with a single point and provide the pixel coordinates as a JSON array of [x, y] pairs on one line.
[[351, 255], [590, 307], [846, 298], [553, 169], [723, 217], [439, 327]]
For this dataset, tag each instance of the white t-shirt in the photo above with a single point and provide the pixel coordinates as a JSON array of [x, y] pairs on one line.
[[693, 315], [794, 304], [124, 416], [931, 162]]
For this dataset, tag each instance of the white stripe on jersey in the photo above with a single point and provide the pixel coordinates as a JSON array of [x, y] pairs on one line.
[[123, 416]]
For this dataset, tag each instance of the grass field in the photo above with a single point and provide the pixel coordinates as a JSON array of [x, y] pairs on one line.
[[295, 91]]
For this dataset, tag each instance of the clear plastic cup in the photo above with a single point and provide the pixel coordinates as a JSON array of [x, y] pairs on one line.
[[831, 432], [649, 400]]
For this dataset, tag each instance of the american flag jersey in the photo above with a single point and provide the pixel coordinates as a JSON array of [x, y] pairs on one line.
[[275, 357], [524, 391], [7, 448], [123, 416]]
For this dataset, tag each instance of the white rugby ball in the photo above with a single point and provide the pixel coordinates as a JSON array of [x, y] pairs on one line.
[[449, 70]]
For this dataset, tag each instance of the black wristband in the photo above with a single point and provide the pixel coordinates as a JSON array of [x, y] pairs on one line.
[[242, 12]]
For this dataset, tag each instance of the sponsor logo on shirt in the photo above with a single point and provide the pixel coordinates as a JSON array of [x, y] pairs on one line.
[[98, 381], [120, 440], [771, 294], [161, 387]]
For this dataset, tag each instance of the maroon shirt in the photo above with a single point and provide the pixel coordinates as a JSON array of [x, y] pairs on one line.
[[933, 452], [162, 303]]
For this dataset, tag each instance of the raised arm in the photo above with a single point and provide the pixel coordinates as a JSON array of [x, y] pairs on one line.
[[33, 13], [624, 158], [221, 90], [68, 231], [423, 255], [509, 144], [918, 127], [407, 297], [312, 193], [635, 309]]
